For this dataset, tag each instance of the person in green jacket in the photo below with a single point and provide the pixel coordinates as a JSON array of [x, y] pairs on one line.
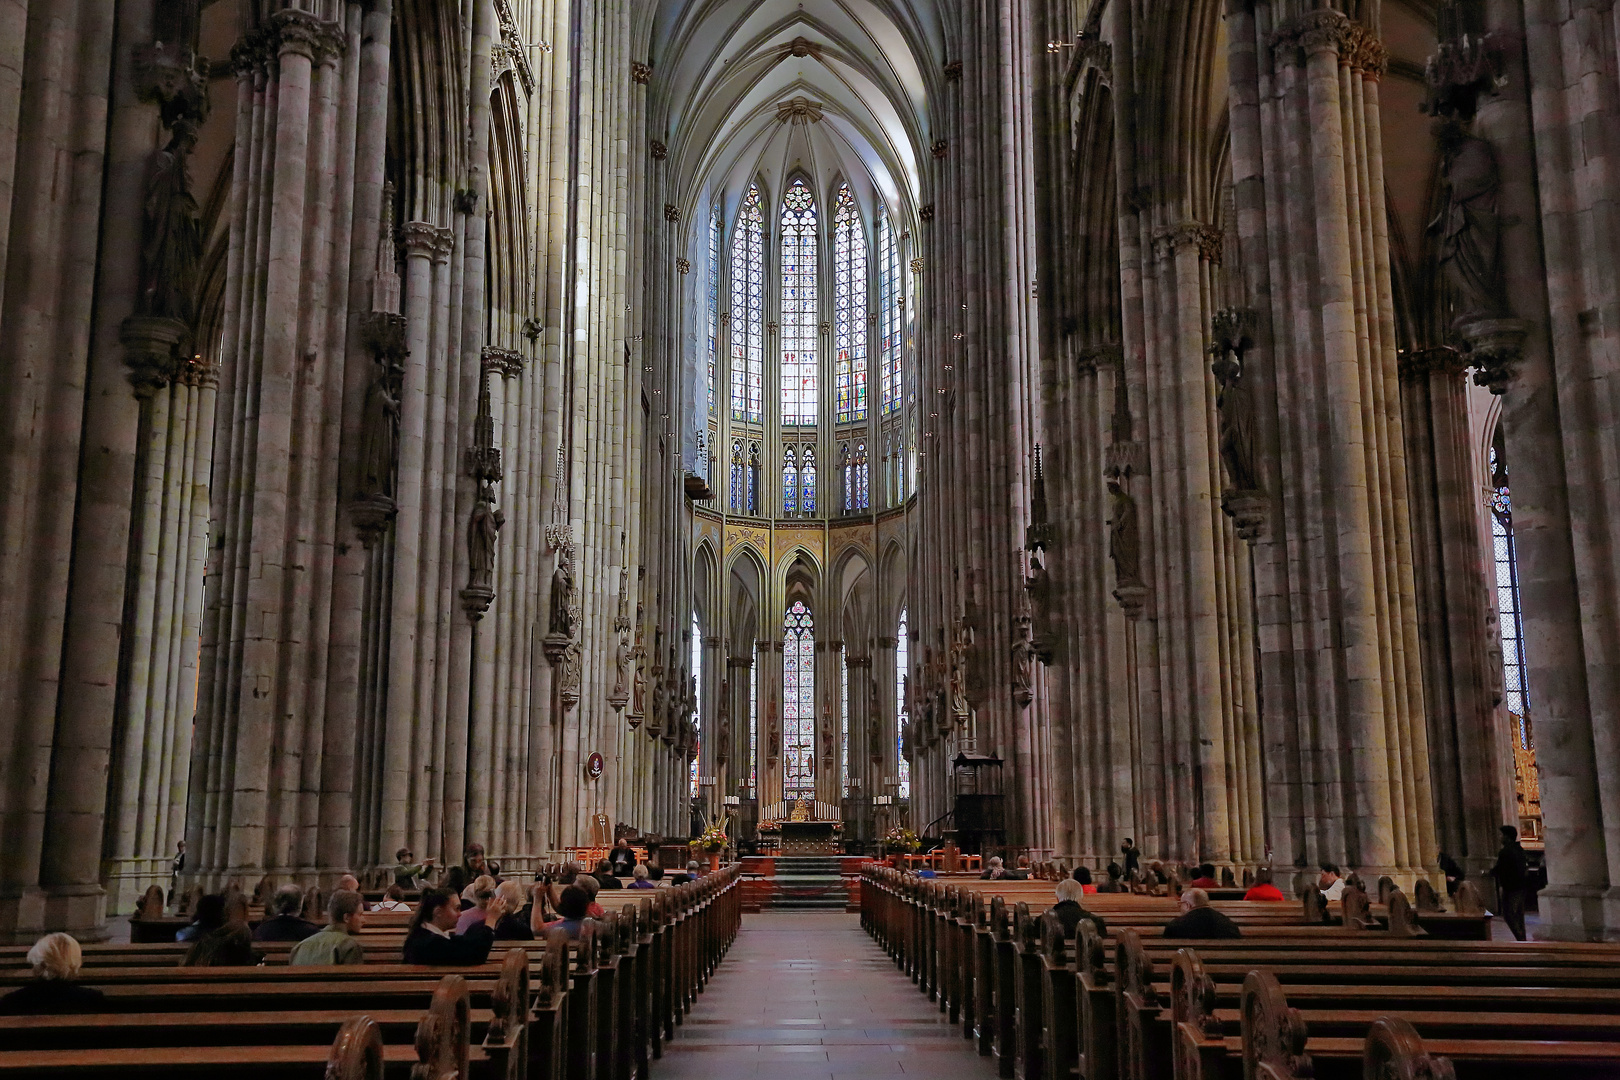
[[408, 874], [337, 944]]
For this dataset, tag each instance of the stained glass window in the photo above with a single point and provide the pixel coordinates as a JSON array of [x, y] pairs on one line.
[[856, 477], [849, 308], [901, 651], [890, 285], [798, 703], [790, 481], [748, 312], [843, 713], [716, 238], [697, 712], [1516, 689], [752, 506], [799, 311], [739, 477], [807, 481]]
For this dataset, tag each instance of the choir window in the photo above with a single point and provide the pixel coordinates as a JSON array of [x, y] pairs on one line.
[[798, 704], [800, 315], [902, 770], [697, 702], [748, 312], [849, 308]]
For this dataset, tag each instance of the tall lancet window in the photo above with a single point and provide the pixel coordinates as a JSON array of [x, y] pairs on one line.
[[790, 481], [849, 308], [799, 312], [748, 312], [901, 663], [716, 238], [697, 703], [807, 480], [1516, 689], [798, 703], [890, 285], [753, 730]]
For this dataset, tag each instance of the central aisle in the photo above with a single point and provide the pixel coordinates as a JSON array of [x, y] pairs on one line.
[[809, 996]]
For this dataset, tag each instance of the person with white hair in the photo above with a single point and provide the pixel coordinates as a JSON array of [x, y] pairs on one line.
[[55, 987], [515, 924], [483, 890], [1068, 910], [994, 869], [285, 921], [641, 881]]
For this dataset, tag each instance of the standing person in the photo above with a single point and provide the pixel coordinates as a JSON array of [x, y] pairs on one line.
[[407, 872], [55, 987], [623, 859], [430, 941], [338, 943], [1512, 871], [176, 868], [1133, 857]]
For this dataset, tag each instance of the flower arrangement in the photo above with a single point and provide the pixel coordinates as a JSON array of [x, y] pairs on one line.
[[713, 839], [770, 826], [902, 839]]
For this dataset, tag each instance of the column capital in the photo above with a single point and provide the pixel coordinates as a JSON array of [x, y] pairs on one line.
[[419, 237], [306, 34], [1415, 365], [1314, 32]]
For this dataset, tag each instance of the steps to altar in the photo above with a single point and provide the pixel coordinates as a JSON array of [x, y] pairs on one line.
[[804, 882]]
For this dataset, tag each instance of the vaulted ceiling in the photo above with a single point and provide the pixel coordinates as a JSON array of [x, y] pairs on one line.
[[760, 89]]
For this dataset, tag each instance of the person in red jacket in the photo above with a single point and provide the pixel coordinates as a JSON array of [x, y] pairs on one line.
[[1205, 878], [1263, 889]]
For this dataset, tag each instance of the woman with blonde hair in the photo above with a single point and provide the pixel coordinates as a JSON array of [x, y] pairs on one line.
[[54, 989], [483, 891], [514, 925]]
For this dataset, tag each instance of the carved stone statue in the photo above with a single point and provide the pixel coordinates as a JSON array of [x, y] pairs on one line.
[[171, 233], [569, 679], [958, 671], [621, 671], [638, 695], [905, 740], [1124, 539], [1023, 663], [1468, 228], [1235, 401], [1039, 587], [562, 595], [482, 531], [379, 432]]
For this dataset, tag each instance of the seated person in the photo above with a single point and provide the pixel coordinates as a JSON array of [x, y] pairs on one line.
[[482, 891], [994, 870], [393, 900], [1023, 871], [1263, 889], [230, 944], [1206, 877], [588, 883], [210, 916], [1331, 883], [571, 908], [655, 874], [515, 924], [339, 942], [1082, 874], [693, 872], [54, 989], [408, 873], [623, 859], [642, 880], [1070, 913], [429, 939], [605, 877], [1114, 884], [1199, 920], [284, 922], [349, 882]]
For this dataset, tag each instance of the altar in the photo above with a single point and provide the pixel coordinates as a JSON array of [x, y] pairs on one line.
[[811, 838]]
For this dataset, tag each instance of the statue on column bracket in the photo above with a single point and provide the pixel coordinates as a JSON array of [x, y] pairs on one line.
[[1125, 548], [722, 725], [562, 595], [655, 717], [1244, 501], [1023, 662], [961, 641], [828, 728], [569, 677], [638, 683], [773, 730], [483, 464]]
